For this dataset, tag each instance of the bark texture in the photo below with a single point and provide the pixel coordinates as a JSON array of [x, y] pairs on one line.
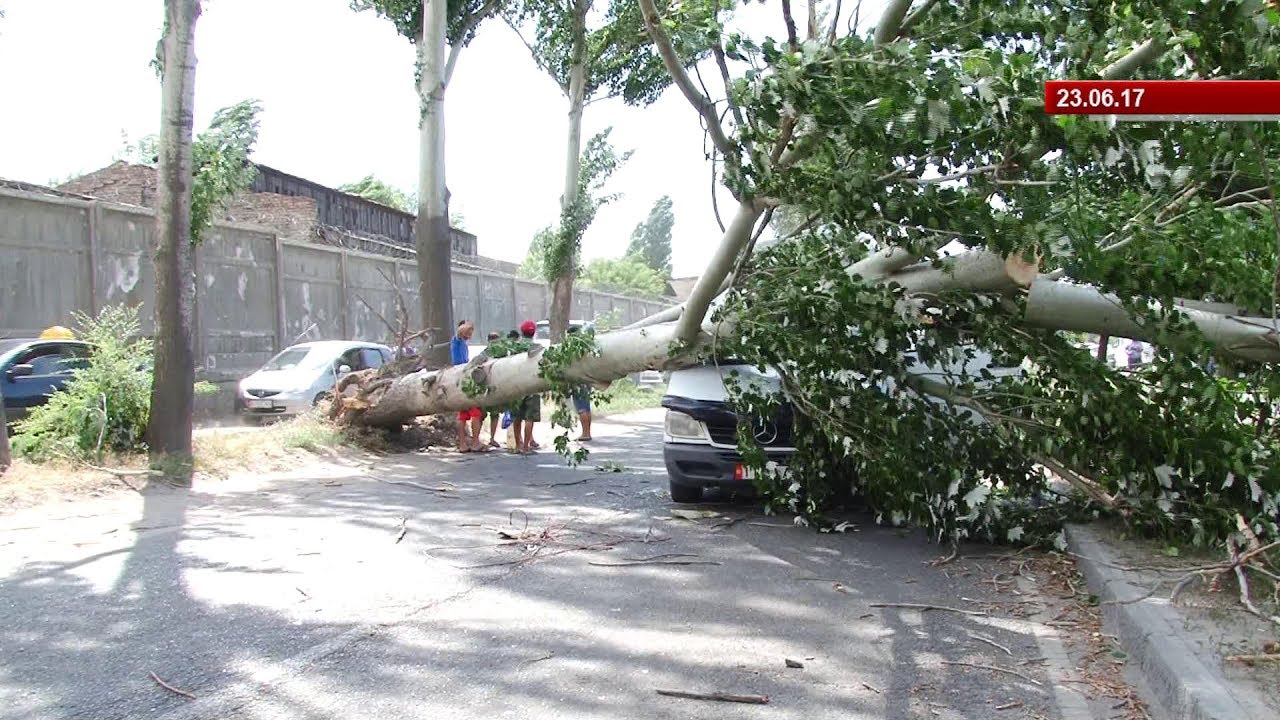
[[562, 283], [392, 401], [6, 456], [432, 237], [172, 386]]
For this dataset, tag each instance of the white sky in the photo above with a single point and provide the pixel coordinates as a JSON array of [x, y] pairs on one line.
[[339, 103]]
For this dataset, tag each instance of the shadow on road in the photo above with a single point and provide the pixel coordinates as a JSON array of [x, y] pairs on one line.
[[220, 590]]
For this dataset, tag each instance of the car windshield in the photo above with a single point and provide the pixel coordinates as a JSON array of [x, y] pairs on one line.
[[7, 347], [296, 357]]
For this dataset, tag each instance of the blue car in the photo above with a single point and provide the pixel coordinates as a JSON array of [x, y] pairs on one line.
[[32, 370]]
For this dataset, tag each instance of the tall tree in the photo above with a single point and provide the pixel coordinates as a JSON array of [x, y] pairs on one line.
[[371, 188], [588, 64], [440, 30], [628, 275], [6, 457], [172, 388], [651, 239]]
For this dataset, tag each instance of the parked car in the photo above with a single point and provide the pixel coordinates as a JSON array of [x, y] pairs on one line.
[[303, 374], [700, 434], [33, 369]]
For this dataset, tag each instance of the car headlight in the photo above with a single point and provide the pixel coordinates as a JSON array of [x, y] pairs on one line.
[[680, 425]]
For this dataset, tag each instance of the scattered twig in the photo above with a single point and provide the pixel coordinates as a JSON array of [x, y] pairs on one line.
[[302, 592], [655, 562], [404, 528], [1010, 706], [172, 689], [560, 484], [918, 606], [990, 642], [441, 490], [794, 664], [996, 668], [873, 688], [1249, 659], [719, 697], [548, 656], [955, 553]]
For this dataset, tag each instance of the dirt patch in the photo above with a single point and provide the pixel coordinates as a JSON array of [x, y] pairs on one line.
[[27, 484], [1049, 587]]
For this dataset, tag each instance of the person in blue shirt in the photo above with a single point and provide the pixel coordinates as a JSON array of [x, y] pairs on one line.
[[470, 420]]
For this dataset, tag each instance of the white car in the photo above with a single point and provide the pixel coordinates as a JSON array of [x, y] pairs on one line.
[[301, 375]]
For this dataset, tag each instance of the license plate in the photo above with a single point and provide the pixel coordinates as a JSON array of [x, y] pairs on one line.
[[745, 472], [260, 404]]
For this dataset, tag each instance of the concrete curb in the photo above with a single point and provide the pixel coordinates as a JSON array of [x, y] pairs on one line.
[[1184, 684]]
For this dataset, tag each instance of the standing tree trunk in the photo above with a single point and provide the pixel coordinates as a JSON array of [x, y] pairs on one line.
[[172, 386], [562, 284], [433, 239], [6, 458]]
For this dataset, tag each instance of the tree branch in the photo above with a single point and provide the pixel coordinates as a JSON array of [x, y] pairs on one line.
[[1139, 56], [835, 23], [891, 21], [536, 59], [455, 49], [736, 237], [681, 79], [915, 16], [792, 42]]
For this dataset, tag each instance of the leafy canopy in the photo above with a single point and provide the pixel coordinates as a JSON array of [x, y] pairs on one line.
[[371, 188], [220, 161], [891, 391], [628, 275], [651, 239]]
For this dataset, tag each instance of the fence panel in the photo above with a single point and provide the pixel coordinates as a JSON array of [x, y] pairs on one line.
[[236, 300], [312, 293], [45, 270]]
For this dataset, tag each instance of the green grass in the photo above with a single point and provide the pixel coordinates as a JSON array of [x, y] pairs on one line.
[[625, 396]]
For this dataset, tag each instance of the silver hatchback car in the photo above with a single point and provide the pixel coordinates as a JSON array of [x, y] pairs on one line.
[[301, 375]]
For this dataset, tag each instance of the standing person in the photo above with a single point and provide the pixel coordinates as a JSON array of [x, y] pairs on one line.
[[582, 403], [1135, 353], [469, 420], [527, 411], [494, 350]]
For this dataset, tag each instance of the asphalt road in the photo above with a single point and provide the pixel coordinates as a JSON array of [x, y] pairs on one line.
[[345, 595]]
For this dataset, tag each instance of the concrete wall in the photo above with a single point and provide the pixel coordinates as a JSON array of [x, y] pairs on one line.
[[255, 292]]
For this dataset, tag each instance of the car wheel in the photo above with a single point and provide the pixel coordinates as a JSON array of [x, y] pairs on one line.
[[321, 397], [685, 493]]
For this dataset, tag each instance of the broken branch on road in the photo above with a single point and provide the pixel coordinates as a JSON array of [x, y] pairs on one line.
[[922, 607], [718, 697], [172, 689], [995, 668]]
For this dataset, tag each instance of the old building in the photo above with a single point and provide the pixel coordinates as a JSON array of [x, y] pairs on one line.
[[295, 207]]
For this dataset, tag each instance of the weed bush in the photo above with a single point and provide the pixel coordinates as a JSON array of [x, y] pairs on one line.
[[105, 405]]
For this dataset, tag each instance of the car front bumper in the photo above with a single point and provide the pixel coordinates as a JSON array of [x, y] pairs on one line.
[[276, 405], [704, 466]]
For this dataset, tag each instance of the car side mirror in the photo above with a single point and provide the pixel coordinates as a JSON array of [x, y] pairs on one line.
[[344, 369], [18, 371]]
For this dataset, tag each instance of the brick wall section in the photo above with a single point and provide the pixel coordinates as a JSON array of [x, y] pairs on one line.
[[291, 216], [119, 182]]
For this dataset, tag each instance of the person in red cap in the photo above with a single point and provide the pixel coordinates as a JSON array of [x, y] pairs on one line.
[[528, 410]]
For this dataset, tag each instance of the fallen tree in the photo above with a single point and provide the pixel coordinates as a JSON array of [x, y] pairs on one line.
[[952, 228]]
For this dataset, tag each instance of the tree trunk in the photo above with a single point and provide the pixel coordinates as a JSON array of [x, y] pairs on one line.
[[1064, 306], [711, 282], [562, 284], [432, 236], [376, 402], [6, 457], [172, 385]]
